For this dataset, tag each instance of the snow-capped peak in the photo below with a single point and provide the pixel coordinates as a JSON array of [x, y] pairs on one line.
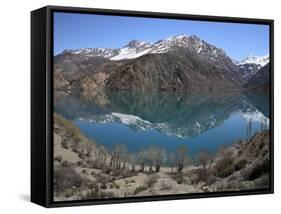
[[132, 50], [136, 48], [137, 44], [178, 37], [259, 60]]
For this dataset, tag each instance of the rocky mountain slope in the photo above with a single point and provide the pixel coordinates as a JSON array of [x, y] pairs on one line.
[[250, 65], [179, 63], [177, 70], [261, 79]]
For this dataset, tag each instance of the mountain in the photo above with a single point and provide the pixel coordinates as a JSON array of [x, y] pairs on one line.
[[179, 63], [261, 79], [258, 60], [250, 65], [137, 48]]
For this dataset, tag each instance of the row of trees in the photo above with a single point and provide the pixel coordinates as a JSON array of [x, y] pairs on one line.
[[152, 157]]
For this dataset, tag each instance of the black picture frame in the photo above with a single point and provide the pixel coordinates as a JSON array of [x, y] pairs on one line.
[[42, 104]]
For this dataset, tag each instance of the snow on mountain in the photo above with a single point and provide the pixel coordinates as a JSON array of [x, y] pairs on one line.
[[137, 48], [163, 46], [99, 52], [132, 120], [248, 70], [132, 50], [255, 116], [258, 60], [251, 64], [138, 124]]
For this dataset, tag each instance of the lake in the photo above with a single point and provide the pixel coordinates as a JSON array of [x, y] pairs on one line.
[[168, 120]]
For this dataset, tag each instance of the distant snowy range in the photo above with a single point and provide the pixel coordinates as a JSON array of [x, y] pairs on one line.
[[250, 65]]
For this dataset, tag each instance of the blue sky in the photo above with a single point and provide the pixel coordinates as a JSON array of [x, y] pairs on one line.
[[73, 31]]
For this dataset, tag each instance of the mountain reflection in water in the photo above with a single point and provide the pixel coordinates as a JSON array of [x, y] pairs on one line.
[[201, 121]]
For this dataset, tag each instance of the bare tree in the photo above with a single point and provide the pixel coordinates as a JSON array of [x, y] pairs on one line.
[[124, 156], [132, 158], [116, 156], [158, 157], [205, 159], [96, 153], [74, 133], [89, 149], [119, 156], [155, 156], [141, 156], [76, 143], [149, 154], [112, 159], [172, 160], [181, 157], [102, 154]]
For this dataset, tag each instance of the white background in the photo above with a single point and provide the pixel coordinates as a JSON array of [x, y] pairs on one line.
[[15, 106]]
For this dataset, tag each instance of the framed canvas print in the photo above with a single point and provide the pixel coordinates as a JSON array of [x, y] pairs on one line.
[[134, 106]]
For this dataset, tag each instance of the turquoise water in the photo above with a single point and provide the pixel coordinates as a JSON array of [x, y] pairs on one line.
[[201, 122]]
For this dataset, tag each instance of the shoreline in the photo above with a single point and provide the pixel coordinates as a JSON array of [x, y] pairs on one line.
[[92, 174]]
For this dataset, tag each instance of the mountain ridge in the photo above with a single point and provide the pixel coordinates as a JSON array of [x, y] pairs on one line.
[[137, 48], [179, 63], [259, 60], [249, 66]]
